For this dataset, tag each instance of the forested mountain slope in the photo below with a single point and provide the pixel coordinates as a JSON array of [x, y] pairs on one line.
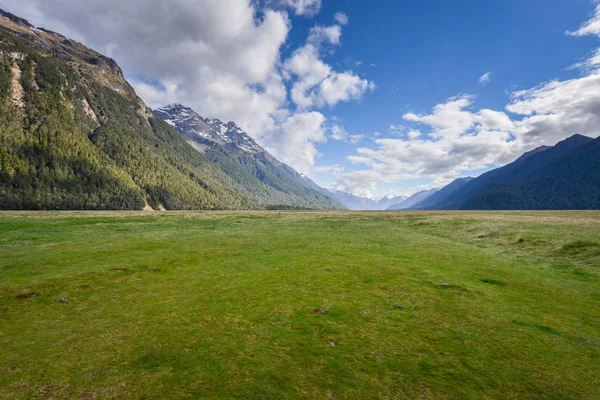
[[240, 157], [571, 182], [524, 166], [74, 135], [443, 193]]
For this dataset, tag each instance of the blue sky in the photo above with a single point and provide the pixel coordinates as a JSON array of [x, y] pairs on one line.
[[372, 97], [425, 52]]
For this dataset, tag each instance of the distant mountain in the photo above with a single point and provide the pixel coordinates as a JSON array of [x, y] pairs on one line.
[[570, 182], [74, 135], [208, 131], [443, 193], [354, 202], [386, 202], [243, 160], [413, 200], [524, 166]]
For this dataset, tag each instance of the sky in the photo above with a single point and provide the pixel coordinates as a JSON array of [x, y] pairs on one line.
[[379, 97]]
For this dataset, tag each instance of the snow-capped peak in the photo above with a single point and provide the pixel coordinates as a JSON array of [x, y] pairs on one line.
[[192, 126]]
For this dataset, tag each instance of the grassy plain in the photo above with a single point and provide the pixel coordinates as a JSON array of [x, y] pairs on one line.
[[312, 305]]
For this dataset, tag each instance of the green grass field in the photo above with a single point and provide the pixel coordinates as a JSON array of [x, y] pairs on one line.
[[310, 305]]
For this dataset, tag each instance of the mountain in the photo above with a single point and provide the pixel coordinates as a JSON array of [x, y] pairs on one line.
[[74, 135], [208, 132], [354, 202], [524, 166], [387, 202], [443, 193], [413, 200], [571, 182], [227, 146]]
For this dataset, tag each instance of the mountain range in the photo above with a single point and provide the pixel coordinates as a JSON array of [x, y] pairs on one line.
[[75, 135], [560, 177], [235, 153], [443, 193], [413, 200], [354, 202]]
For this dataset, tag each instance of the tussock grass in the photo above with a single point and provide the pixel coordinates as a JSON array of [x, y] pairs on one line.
[[299, 305]]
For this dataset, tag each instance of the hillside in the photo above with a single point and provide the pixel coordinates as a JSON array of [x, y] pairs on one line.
[[524, 166], [76, 136], [443, 193], [413, 200], [571, 182], [242, 159]]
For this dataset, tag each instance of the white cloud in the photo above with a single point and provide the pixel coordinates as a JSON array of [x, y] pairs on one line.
[[590, 27], [342, 87], [338, 133], [303, 7], [413, 134], [316, 83], [354, 139], [448, 119], [335, 170], [558, 109], [495, 120], [485, 78], [222, 58], [341, 18], [411, 117], [294, 142], [460, 140], [325, 34]]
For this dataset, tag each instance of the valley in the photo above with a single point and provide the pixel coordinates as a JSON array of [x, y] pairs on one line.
[[129, 305]]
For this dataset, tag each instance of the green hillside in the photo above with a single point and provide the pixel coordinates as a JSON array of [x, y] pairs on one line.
[[74, 135], [571, 182], [70, 143]]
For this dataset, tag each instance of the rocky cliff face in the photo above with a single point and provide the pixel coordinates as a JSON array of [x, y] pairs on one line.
[[103, 69], [193, 127]]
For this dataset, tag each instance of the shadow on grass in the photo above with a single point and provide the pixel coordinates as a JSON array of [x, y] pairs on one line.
[[539, 328], [494, 282]]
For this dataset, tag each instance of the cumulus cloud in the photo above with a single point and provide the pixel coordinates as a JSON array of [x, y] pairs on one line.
[[485, 78], [295, 141], [303, 7], [341, 18], [558, 109], [338, 133], [457, 139], [317, 84], [590, 27], [222, 58], [221, 55], [325, 34], [335, 169]]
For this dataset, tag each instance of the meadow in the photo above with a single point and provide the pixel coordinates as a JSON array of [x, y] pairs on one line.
[[308, 305]]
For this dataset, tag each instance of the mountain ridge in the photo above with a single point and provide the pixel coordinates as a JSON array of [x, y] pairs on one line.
[[244, 160], [518, 169], [359, 203], [569, 182], [443, 193], [76, 136], [413, 200]]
